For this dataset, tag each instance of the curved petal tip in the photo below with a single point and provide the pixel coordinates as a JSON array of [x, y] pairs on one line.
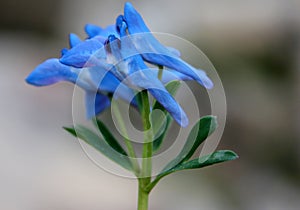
[[50, 72]]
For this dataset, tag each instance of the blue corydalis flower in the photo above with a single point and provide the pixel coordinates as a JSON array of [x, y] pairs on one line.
[[111, 61], [146, 44], [153, 51], [123, 62], [133, 72]]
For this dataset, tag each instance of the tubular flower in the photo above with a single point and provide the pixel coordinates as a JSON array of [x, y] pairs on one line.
[[112, 61], [153, 51], [134, 72]]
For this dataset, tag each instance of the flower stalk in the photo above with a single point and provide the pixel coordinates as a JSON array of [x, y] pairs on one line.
[[160, 72], [129, 146], [143, 195], [146, 171]]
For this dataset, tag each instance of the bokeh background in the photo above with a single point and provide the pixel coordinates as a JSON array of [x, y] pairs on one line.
[[255, 47]]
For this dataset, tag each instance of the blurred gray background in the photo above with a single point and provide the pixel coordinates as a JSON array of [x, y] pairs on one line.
[[254, 45]]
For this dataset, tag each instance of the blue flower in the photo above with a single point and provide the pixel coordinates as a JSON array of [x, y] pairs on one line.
[[153, 51], [121, 58], [130, 68], [111, 61]]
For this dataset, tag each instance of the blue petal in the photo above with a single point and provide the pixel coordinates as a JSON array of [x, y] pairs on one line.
[[170, 75], [132, 65], [121, 25], [63, 51], [109, 30], [93, 30], [174, 51], [171, 105], [134, 19], [154, 52], [104, 80], [79, 55], [116, 55], [95, 103], [50, 72], [96, 79], [113, 49], [74, 40], [147, 79], [179, 65]]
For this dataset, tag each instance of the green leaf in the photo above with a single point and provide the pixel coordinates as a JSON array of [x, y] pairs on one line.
[[158, 141], [214, 158], [172, 88], [99, 144], [199, 133], [108, 137], [71, 131], [207, 160]]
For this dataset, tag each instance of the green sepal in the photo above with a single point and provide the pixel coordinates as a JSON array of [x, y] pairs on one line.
[[199, 133], [207, 160], [98, 143], [108, 137]]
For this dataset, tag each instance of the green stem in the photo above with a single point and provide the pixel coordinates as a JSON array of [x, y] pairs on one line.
[[143, 196], [160, 72], [146, 172], [147, 147], [128, 143]]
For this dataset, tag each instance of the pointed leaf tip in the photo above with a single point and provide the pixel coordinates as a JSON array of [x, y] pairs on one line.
[[98, 143], [71, 130], [199, 133], [201, 162]]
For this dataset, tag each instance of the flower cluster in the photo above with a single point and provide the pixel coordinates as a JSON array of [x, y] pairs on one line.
[[115, 61]]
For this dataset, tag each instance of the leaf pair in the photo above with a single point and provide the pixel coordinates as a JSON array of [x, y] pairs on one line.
[[199, 133], [107, 145]]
